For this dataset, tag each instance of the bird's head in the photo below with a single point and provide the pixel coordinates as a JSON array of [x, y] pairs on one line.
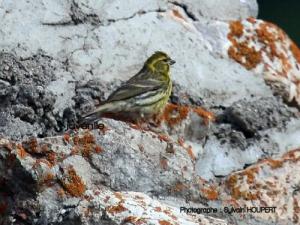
[[159, 62]]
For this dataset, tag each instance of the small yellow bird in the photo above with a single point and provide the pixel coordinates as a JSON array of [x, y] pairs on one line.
[[142, 96]]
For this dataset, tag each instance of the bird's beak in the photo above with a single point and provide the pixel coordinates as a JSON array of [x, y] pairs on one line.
[[171, 62]]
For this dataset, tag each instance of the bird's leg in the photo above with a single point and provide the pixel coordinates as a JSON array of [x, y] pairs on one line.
[[140, 123], [156, 119]]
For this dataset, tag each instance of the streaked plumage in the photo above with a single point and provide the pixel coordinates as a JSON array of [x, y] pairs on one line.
[[143, 95]]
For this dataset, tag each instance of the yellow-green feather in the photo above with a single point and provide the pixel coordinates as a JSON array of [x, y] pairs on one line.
[[146, 93]]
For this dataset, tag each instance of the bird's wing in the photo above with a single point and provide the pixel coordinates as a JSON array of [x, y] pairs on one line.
[[135, 89]]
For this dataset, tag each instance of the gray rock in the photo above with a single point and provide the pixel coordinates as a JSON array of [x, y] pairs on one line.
[[70, 173], [67, 56], [257, 115], [220, 10]]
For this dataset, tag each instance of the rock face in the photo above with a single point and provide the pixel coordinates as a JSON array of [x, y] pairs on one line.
[[227, 142], [219, 10]]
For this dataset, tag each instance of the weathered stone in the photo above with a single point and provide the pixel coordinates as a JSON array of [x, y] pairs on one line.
[[65, 57]]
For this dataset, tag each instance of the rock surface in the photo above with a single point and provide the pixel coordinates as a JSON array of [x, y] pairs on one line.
[[228, 138], [220, 10]]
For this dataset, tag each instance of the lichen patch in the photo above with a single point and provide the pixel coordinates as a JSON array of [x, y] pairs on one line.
[[266, 49]]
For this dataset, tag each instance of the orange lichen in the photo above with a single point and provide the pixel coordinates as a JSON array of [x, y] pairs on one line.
[[164, 222], [135, 126], [177, 14], [73, 183], [250, 174], [235, 189], [134, 220], [206, 115], [76, 140], [85, 145], [74, 150], [232, 202], [265, 44], [277, 163], [51, 157], [236, 29], [251, 20], [274, 164], [292, 155], [87, 138], [174, 114], [245, 55], [21, 151], [98, 149], [163, 137], [39, 161], [296, 209], [210, 193], [66, 138], [295, 50], [236, 193], [267, 38], [33, 144], [241, 51], [116, 209], [170, 214], [191, 153], [179, 187], [231, 184], [48, 180], [251, 196], [286, 65], [180, 141], [157, 209], [231, 181]]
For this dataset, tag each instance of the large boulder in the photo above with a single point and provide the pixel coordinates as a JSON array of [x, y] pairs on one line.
[[228, 138]]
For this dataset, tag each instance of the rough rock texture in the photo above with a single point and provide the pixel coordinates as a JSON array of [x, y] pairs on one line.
[[261, 47], [270, 182], [228, 138], [219, 10], [72, 178]]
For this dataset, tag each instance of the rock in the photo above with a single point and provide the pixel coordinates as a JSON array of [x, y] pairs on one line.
[[258, 115], [247, 131], [220, 10], [260, 47], [272, 181], [226, 137], [88, 165]]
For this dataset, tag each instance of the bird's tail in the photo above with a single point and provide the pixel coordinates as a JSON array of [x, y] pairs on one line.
[[95, 114]]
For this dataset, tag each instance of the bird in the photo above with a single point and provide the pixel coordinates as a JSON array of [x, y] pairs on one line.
[[142, 96]]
